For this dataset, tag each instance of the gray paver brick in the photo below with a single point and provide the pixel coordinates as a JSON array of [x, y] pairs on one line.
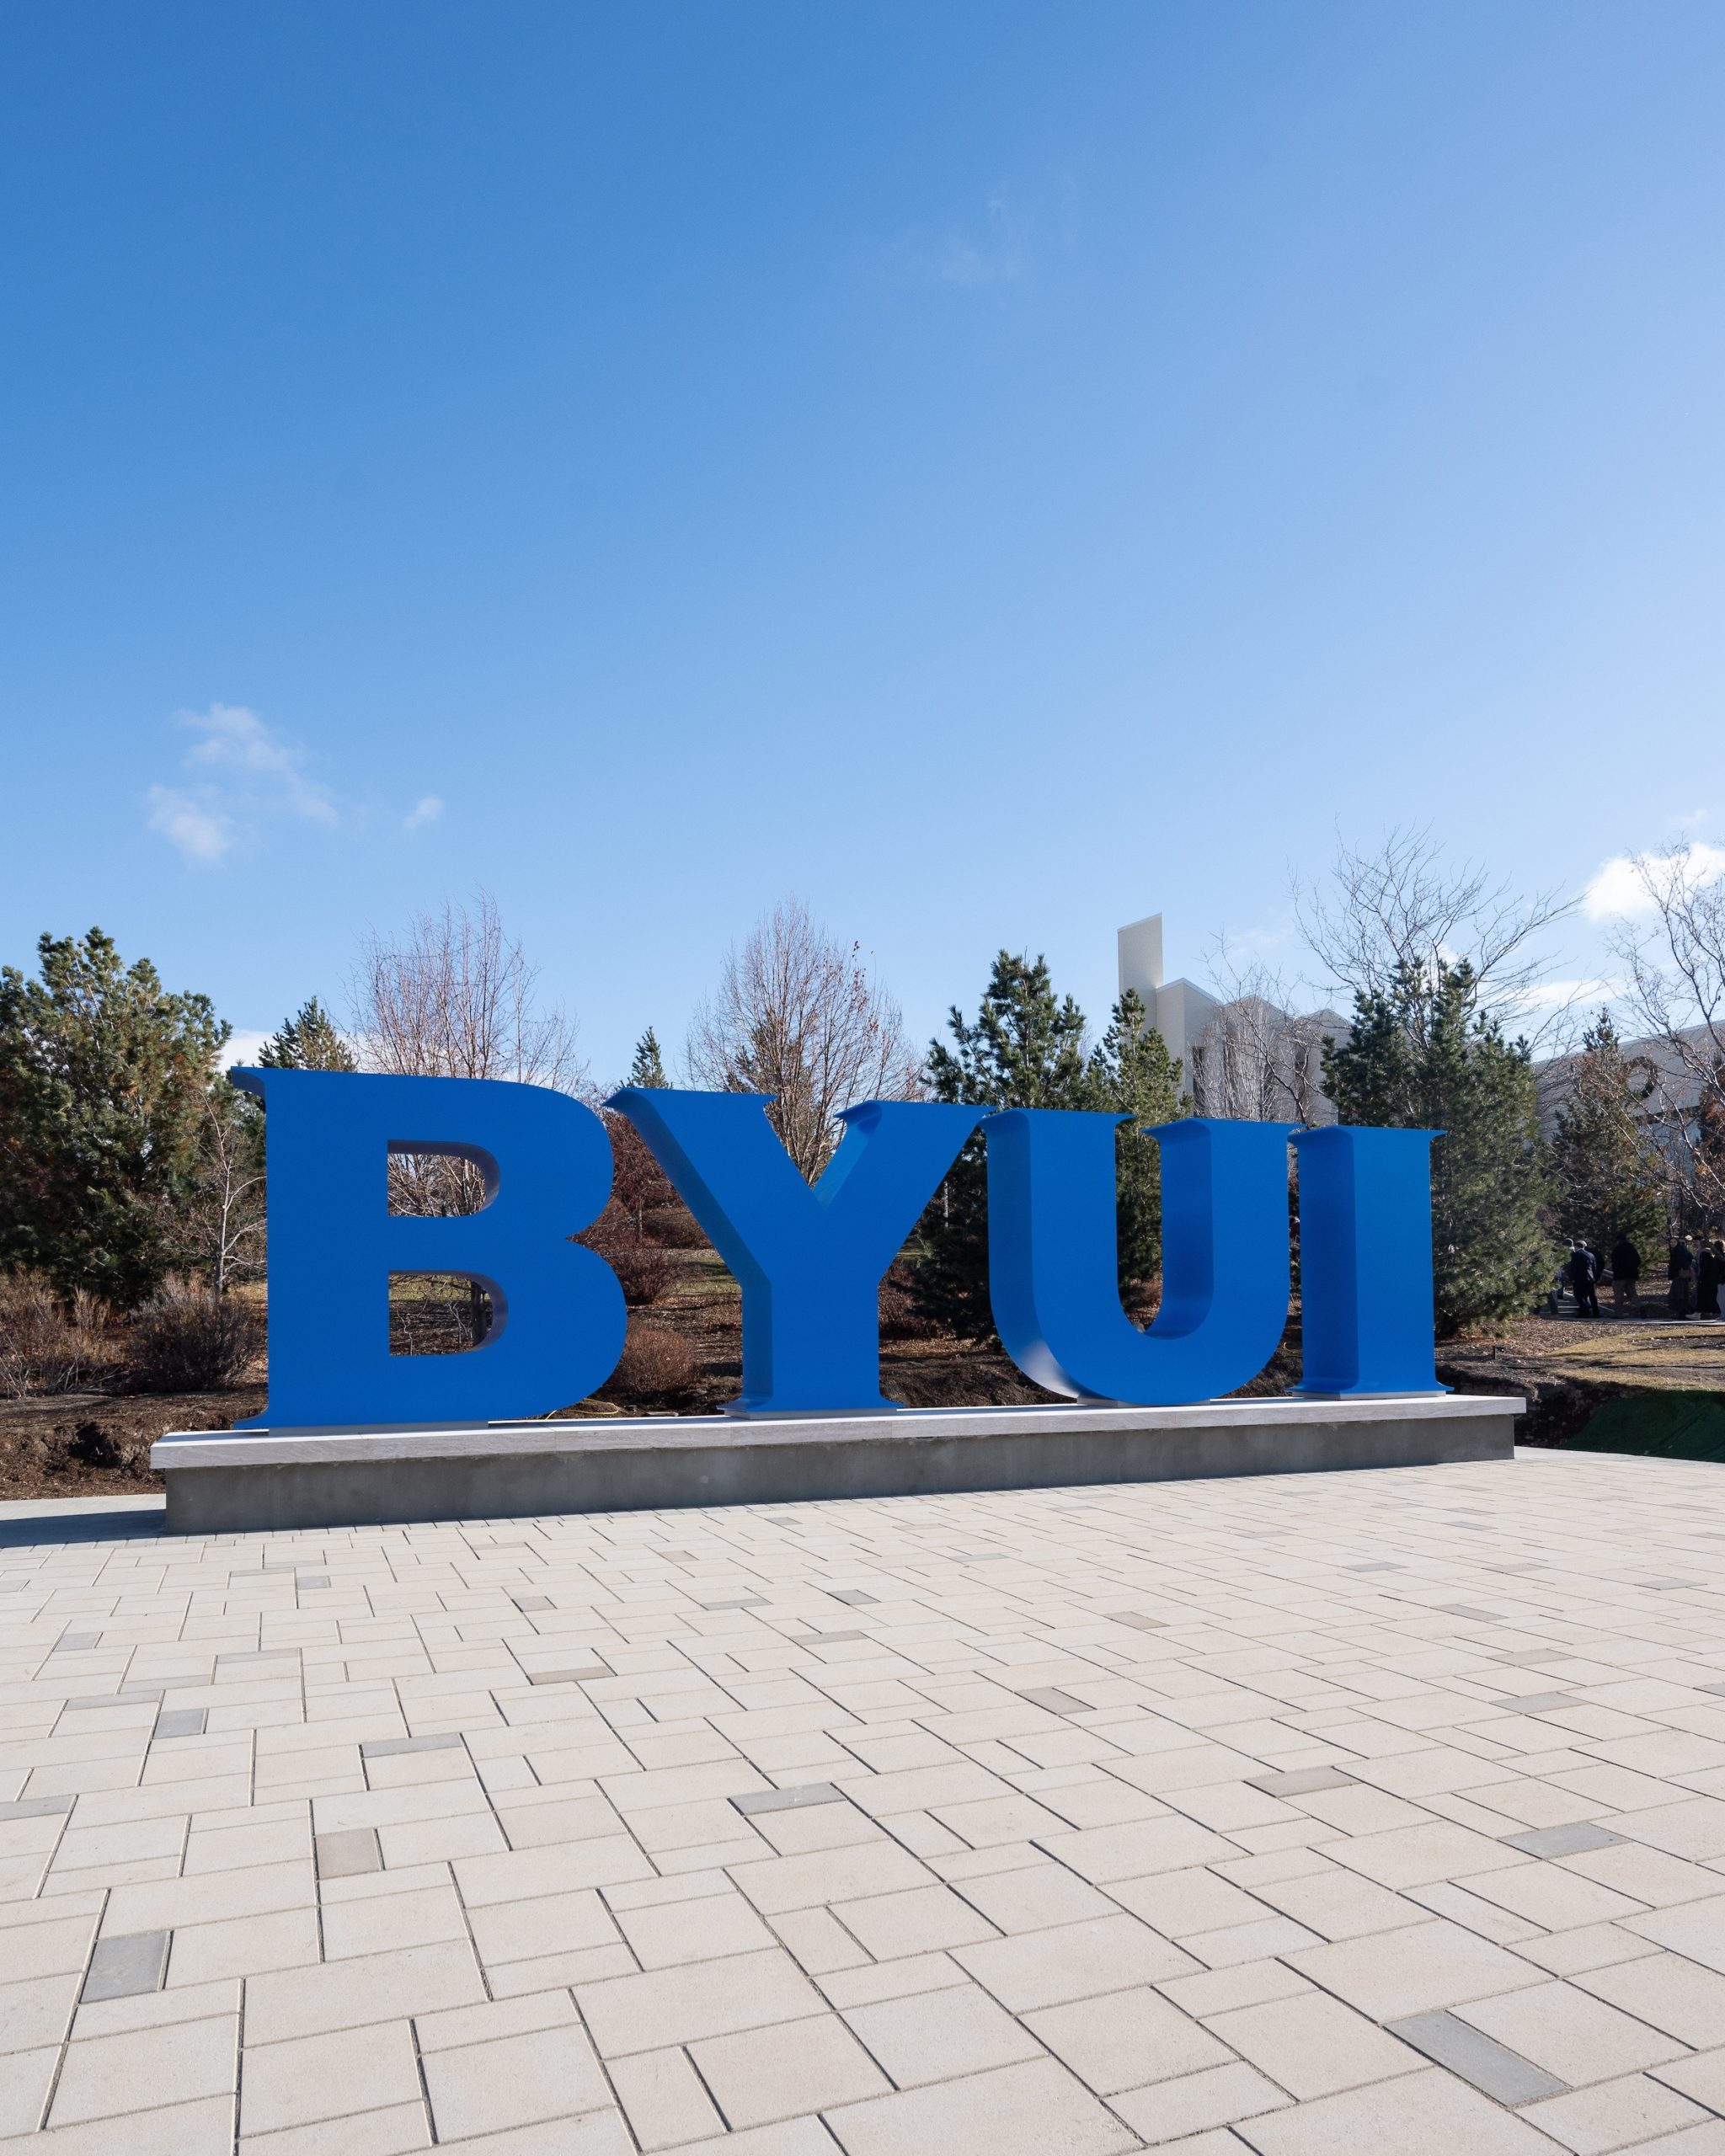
[[1302, 1781], [1488, 2065], [1054, 1700], [348, 1851], [1563, 1841], [787, 1800], [123, 1967]]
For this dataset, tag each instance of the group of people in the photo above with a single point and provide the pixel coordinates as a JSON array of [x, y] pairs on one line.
[[1696, 1270]]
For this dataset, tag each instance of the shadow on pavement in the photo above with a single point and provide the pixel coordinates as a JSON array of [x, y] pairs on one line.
[[74, 1522]]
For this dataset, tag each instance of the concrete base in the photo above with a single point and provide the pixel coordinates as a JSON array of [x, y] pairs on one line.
[[321, 1478]]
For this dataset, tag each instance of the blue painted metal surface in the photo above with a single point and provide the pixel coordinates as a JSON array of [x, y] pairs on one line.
[[810, 1259], [557, 1318], [1052, 1253], [1365, 1260]]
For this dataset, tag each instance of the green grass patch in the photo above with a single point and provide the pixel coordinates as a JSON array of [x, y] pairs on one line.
[[1658, 1425]]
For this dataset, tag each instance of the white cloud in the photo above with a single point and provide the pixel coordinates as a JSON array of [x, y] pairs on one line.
[[235, 743], [202, 832], [237, 775], [1626, 886], [244, 1045]]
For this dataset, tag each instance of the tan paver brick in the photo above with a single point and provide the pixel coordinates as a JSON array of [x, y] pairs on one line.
[[1575, 2037], [1613, 2113], [370, 1988], [699, 1930], [1074, 1960], [938, 2035], [1126, 2038], [1413, 2115], [326, 2077], [1010, 2110], [761, 2075], [1666, 1992], [485, 2087], [397, 2130], [700, 1998], [664, 2098], [1189, 2102], [1088, 1883], [102, 2075], [25, 2077], [1390, 1974]]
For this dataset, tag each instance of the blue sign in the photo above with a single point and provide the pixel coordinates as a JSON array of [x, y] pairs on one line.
[[810, 1259]]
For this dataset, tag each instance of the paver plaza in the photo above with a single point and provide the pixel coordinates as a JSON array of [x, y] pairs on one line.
[[1330, 1813]]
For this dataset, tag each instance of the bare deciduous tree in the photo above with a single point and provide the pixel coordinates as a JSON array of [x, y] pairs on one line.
[[1402, 907], [1255, 1061], [798, 1015], [222, 1223], [1676, 989], [454, 999]]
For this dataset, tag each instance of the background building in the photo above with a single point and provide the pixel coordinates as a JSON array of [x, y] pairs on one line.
[[1241, 1056]]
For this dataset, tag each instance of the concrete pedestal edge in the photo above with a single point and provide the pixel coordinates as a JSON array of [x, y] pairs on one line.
[[223, 1484]]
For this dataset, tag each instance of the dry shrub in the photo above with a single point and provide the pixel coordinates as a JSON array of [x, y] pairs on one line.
[[644, 1268], [642, 1197], [436, 1314], [184, 1339], [659, 1369], [673, 1225], [47, 1345], [900, 1317]]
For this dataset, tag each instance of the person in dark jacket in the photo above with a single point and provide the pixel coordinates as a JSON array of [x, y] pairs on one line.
[[1582, 1281], [1679, 1271], [1625, 1273], [1708, 1273]]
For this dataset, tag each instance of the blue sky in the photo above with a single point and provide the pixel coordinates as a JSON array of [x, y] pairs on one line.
[[992, 471]]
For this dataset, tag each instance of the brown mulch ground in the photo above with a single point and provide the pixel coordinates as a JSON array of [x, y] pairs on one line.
[[88, 1444]]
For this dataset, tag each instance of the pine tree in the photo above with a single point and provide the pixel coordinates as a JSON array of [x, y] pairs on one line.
[[1025, 1048], [1423, 1056], [1133, 1074], [104, 1081], [308, 1041], [648, 1069], [1609, 1177]]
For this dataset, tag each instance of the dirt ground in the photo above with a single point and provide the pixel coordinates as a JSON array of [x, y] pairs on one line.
[[90, 1445]]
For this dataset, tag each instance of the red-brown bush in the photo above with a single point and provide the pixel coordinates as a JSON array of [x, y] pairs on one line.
[[672, 1225], [659, 1370], [643, 1270]]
